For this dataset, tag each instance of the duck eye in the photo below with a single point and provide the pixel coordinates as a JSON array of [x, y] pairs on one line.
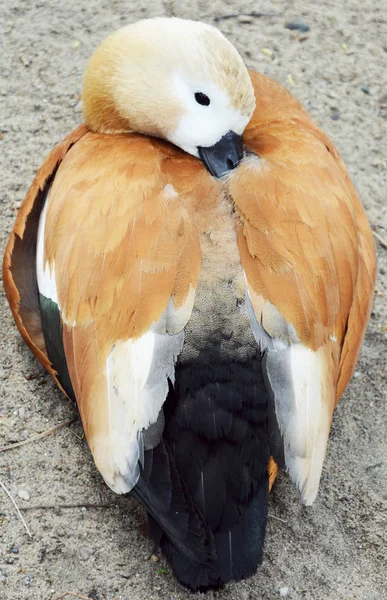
[[202, 99]]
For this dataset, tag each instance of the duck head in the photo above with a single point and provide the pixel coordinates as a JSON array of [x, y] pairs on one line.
[[178, 80]]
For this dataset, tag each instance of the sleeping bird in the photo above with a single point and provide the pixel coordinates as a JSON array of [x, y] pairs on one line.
[[194, 268]]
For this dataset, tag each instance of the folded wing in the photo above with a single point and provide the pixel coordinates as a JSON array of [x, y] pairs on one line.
[[100, 272], [119, 255], [308, 255]]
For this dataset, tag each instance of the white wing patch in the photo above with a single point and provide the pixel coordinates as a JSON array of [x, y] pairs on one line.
[[296, 378], [303, 397], [45, 274], [137, 374]]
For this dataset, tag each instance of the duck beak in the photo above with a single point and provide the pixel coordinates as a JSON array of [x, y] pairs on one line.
[[223, 156]]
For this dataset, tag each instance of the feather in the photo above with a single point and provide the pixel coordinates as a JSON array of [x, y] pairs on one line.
[[308, 255]]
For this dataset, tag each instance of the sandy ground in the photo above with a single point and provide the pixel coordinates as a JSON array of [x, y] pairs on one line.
[[331, 551]]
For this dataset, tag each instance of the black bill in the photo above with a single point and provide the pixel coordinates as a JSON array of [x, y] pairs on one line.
[[224, 155]]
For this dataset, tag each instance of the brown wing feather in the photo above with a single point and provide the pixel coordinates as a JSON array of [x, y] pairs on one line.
[[118, 228], [308, 254], [361, 307], [122, 235], [19, 273], [121, 230], [302, 227]]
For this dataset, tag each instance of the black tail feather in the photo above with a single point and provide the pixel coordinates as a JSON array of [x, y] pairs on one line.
[[238, 551], [170, 509], [216, 441]]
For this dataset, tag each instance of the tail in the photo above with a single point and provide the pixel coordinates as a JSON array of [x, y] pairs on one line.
[[216, 437], [238, 550], [170, 509]]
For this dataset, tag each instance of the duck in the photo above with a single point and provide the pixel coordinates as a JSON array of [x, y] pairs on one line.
[[194, 268]]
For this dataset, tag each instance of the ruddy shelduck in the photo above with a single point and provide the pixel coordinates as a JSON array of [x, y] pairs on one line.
[[194, 267]]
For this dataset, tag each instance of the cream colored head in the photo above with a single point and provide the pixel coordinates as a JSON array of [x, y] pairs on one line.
[[144, 78]]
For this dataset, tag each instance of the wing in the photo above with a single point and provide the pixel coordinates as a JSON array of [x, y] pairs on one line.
[[120, 257], [308, 255], [109, 222]]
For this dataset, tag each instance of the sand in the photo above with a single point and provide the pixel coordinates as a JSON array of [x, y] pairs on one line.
[[333, 550]]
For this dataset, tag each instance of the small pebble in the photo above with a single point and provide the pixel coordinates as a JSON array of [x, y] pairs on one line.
[[335, 116], [357, 374], [42, 554], [298, 25], [290, 80], [25, 60], [15, 550], [27, 580], [245, 19], [24, 495], [85, 553], [125, 574], [22, 412], [154, 558], [365, 88], [284, 592]]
